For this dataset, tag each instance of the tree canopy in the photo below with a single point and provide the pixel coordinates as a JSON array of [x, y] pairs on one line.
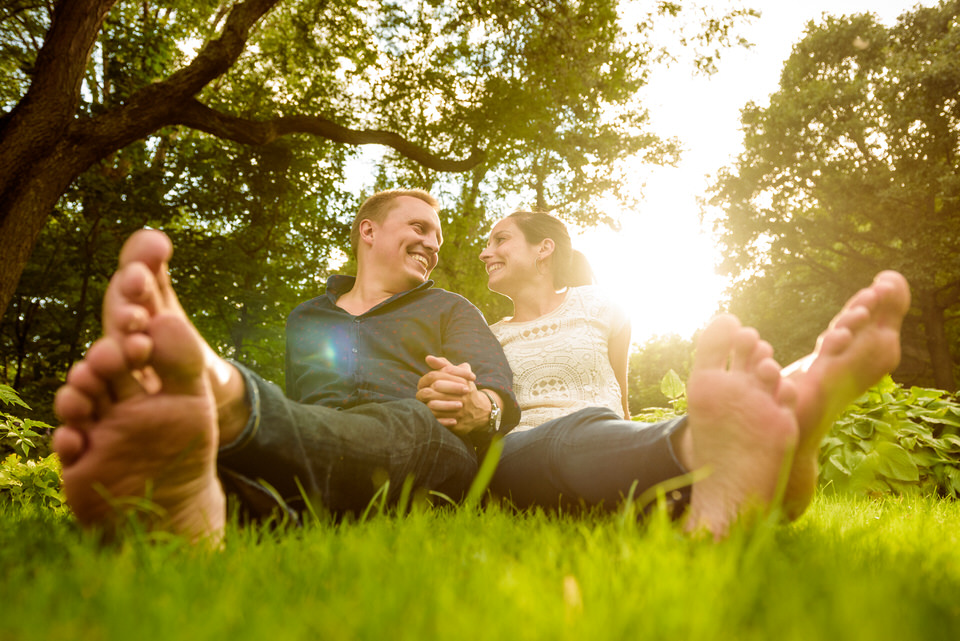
[[236, 127], [853, 168]]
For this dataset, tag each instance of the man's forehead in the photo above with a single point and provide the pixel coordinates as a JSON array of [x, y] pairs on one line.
[[412, 209]]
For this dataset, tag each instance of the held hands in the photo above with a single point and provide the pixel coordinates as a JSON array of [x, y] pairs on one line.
[[450, 392]]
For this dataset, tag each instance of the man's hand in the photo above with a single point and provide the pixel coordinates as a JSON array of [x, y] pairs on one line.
[[450, 391]]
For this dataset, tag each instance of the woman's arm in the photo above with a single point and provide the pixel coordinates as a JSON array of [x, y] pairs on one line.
[[618, 350]]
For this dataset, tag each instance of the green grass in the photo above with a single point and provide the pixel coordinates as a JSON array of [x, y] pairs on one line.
[[850, 569]]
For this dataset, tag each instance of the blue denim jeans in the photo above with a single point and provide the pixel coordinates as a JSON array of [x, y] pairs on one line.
[[586, 459], [339, 457]]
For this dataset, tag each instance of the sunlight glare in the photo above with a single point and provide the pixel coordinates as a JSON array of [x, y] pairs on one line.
[[660, 264]]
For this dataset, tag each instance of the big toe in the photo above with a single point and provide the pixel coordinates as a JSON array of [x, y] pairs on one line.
[[148, 246], [894, 293], [716, 341]]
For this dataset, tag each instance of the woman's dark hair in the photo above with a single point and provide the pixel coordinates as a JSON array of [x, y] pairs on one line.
[[570, 267]]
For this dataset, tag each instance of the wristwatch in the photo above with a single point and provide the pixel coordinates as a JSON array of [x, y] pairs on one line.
[[493, 424]]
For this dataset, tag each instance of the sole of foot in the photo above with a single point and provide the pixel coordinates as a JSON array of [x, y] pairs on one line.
[[859, 347], [127, 450], [742, 427]]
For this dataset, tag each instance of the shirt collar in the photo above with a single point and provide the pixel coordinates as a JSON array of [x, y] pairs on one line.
[[340, 284]]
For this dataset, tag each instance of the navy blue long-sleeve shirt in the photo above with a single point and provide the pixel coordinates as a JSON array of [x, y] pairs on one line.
[[340, 360]]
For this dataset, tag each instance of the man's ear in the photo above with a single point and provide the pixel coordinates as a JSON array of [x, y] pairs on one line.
[[546, 247], [367, 227]]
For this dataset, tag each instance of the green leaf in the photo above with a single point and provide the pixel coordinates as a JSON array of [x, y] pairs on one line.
[[896, 462], [671, 385], [9, 396]]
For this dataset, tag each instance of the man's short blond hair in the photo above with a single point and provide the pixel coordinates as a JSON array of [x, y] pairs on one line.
[[377, 206]]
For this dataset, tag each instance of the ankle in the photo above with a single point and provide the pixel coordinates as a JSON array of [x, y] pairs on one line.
[[681, 441], [230, 394]]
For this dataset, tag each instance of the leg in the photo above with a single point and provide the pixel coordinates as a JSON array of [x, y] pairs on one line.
[[860, 346], [741, 428], [589, 458], [340, 458]]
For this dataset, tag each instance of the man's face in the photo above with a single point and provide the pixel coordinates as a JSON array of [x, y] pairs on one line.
[[407, 241]]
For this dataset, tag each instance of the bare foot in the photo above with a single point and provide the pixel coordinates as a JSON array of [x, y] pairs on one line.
[[120, 444], [860, 346], [742, 426], [140, 411], [141, 289]]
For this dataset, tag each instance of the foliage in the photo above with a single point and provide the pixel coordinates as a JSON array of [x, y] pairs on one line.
[[29, 474], [852, 168], [650, 362], [895, 439], [674, 390], [32, 483], [537, 97]]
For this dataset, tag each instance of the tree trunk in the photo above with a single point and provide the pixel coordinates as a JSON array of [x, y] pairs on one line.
[[34, 168], [938, 346], [24, 214]]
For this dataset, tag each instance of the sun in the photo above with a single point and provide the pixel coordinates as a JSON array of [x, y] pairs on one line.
[[660, 265]]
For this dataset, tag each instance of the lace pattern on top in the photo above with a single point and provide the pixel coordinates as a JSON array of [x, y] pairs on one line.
[[560, 361]]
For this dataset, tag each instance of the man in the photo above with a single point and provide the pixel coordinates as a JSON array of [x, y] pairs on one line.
[[153, 411]]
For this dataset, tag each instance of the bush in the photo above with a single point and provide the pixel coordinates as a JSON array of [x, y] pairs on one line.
[[890, 440], [894, 439], [29, 474]]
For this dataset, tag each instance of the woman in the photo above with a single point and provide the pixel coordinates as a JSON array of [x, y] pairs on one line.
[[567, 344]]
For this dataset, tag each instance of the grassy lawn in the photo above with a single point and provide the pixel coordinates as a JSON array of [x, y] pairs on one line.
[[850, 569]]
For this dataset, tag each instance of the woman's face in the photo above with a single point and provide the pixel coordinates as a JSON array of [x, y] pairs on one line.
[[510, 260]]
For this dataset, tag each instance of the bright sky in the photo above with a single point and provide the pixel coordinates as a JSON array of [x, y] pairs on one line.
[[661, 264]]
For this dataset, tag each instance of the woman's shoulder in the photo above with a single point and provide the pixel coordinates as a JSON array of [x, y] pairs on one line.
[[591, 294], [599, 304]]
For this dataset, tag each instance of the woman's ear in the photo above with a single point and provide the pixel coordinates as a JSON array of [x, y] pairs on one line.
[[546, 247]]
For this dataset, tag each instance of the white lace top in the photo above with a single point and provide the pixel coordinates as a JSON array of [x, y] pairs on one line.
[[560, 361]]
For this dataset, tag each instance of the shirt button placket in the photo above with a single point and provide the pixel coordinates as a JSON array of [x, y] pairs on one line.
[[355, 349]]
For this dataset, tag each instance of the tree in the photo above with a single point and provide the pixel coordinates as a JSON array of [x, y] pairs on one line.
[[853, 168], [412, 75]]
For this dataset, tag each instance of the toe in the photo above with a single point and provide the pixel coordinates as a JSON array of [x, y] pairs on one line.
[[767, 372], [894, 293], [744, 343], [853, 318], [177, 355], [835, 341], [713, 347], [69, 444], [107, 362], [74, 406], [148, 246], [138, 286], [761, 352], [787, 394]]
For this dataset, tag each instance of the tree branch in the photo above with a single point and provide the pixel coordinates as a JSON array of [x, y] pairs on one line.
[[195, 115], [39, 120], [150, 107]]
